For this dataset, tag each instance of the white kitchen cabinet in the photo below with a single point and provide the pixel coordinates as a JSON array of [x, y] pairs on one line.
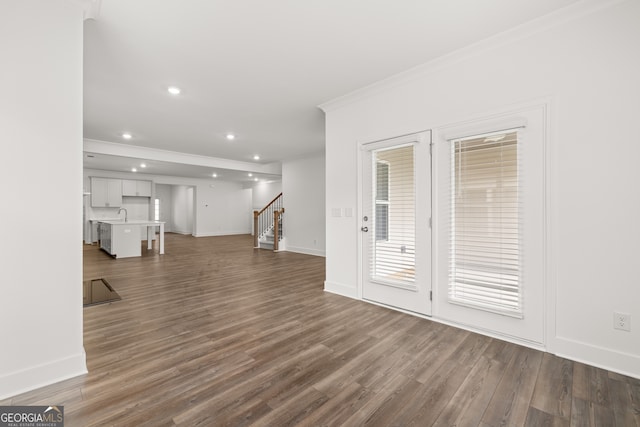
[[106, 192], [132, 187], [120, 240], [105, 236]]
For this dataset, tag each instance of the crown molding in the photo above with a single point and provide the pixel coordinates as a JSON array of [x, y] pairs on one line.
[[528, 29]]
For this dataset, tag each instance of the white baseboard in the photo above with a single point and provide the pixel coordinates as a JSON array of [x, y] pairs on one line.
[[306, 251], [589, 354], [601, 357], [35, 377], [341, 289], [220, 233]]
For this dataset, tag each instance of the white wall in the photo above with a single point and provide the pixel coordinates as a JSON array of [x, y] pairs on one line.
[[303, 188], [264, 192], [584, 65], [163, 193], [41, 134], [181, 209], [223, 208]]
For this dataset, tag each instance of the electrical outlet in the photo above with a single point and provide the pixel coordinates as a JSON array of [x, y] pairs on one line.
[[622, 321]]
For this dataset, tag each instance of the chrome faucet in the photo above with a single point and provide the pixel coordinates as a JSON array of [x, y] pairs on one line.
[[125, 213]]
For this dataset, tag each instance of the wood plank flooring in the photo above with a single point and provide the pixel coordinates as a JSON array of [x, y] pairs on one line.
[[216, 333]]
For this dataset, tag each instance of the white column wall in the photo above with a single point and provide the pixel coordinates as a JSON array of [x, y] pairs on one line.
[[303, 189], [584, 65], [41, 171]]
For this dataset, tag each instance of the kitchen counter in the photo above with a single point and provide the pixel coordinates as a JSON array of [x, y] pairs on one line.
[[121, 245]]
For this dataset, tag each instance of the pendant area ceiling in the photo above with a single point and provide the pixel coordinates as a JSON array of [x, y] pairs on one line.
[[259, 69]]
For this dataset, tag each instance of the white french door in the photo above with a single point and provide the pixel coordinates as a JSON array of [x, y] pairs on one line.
[[490, 217], [395, 222]]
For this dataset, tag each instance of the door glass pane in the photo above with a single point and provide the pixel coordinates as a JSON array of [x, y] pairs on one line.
[[382, 200], [485, 258], [393, 243]]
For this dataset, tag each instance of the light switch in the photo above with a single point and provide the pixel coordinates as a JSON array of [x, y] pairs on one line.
[[348, 212], [336, 212]]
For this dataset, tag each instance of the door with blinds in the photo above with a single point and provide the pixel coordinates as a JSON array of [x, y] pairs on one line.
[[490, 219], [395, 223]]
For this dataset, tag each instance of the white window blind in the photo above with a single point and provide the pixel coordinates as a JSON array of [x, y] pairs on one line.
[[393, 243], [485, 269]]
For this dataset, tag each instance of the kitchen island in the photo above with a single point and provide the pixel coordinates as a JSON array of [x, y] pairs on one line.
[[122, 238]]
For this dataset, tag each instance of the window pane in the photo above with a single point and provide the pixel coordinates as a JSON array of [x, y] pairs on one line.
[[382, 221], [382, 181], [485, 267], [156, 210], [393, 257]]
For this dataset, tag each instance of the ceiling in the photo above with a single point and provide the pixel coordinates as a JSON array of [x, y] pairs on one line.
[[257, 69]]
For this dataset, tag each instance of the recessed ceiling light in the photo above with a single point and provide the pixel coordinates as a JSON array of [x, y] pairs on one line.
[[173, 90], [134, 170], [215, 175], [231, 136], [126, 135], [143, 165], [249, 174], [255, 179], [256, 157]]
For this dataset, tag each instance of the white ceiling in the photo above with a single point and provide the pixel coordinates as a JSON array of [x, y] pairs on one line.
[[259, 69]]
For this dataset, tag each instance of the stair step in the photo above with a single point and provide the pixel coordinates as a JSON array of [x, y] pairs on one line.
[[266, 245]]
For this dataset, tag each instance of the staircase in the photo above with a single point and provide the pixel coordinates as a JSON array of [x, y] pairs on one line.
[[268, 226]]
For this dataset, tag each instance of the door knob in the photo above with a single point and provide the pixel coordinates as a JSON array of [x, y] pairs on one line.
[[365, 229]]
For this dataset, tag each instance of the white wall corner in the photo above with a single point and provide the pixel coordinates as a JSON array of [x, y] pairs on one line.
[[305, 251], [341, 289], [601, 357], [91, 8], [35, 377]]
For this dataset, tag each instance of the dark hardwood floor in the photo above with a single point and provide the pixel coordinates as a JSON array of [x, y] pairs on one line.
[[217, 333]]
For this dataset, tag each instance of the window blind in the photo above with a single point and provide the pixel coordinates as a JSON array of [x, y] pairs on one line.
[[485, 235], [393, 244], [382, 201]]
